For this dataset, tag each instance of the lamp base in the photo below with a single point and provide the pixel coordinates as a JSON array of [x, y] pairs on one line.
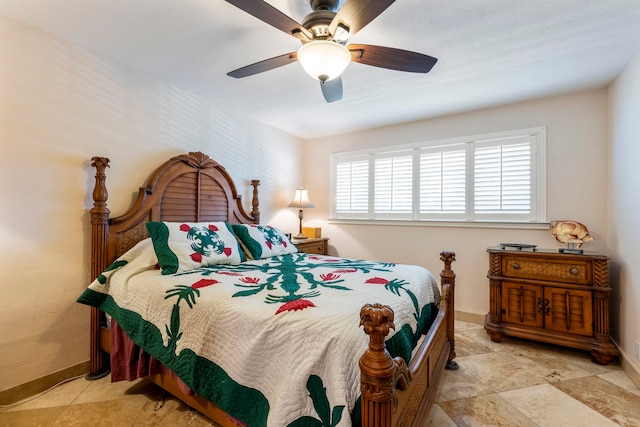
[[300, 236]]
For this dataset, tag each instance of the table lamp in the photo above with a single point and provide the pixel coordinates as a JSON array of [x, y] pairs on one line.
[[301, 201]]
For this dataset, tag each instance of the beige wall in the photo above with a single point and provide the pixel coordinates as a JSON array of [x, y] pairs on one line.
[[624, 219], [576, 188], [59, 106]]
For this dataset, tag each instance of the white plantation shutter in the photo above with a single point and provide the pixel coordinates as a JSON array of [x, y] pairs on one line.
[[393, 185], [496, 177], [443, 183], [503, 177], [352, 186]]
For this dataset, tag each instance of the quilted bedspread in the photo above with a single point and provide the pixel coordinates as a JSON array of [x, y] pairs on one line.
[[273, 342]]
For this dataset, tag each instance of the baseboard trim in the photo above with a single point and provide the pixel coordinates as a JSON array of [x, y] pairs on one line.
[[629, 366], [22, 391], [470, 317]]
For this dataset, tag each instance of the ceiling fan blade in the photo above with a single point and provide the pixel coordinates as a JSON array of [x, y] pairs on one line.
[[272, 16], [391, 58], [355, 14], [266, 65], [332, 89]]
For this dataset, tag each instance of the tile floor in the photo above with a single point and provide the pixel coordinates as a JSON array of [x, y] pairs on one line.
[[513, 383]]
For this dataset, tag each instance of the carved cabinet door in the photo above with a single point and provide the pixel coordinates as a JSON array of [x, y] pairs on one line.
[[570, 310], [522, 303]]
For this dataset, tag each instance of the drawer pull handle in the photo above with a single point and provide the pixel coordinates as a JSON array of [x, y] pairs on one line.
[[516, 266], [574, 271], [568, 308]]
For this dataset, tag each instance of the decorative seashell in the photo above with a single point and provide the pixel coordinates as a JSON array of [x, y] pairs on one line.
[[570, 232]]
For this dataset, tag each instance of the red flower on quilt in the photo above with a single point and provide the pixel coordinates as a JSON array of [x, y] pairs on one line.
[[329, 276], [186, 227], [253, 280], [204, 283], [299, 304], [377, 281], [230, 273], [197, 256]]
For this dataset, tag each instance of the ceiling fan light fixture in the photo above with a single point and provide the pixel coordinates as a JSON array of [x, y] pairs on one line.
[[324, 60]]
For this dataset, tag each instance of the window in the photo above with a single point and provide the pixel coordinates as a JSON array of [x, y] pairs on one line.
[[484, 178]]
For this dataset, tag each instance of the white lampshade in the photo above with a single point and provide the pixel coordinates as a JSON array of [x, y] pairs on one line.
[[301, 199], [324, 60]]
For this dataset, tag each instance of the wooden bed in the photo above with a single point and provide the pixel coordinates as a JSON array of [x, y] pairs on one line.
[[193, 187]]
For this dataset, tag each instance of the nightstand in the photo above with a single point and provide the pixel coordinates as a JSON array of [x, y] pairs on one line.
[[556, 298], [317, 245]]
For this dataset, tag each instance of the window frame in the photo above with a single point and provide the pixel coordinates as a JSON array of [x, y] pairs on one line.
[[536, 219]]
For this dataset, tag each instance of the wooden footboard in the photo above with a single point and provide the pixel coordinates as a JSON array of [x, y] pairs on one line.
[[393, 394]]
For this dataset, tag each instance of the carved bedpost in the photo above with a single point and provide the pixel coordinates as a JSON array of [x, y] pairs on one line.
[[255, 202], [380, 373], [98, 366], [448, 284]]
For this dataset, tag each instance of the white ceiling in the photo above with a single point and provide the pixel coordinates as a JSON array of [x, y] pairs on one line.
[[490, 52]]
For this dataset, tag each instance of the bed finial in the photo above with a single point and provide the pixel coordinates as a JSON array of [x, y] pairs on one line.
[[255, 202], [380, 373], [100, 193]]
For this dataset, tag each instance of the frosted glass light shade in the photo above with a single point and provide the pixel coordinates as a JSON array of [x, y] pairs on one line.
[[324, 60]]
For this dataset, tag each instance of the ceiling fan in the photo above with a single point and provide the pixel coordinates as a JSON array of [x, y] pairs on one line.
[[324, 33]]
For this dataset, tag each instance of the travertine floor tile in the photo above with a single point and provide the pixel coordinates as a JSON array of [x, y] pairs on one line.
[[546, 406], [169, 412], [553, 366], [503, 370], [621, 379], [120, 412], [438, 418], [103, 389], [460, 384], [30, 417], [488, 410], [612, 401], [506, 344], [465, 326], [466, 345]]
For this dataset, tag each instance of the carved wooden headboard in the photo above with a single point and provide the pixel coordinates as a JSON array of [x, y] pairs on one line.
[[190, 187]]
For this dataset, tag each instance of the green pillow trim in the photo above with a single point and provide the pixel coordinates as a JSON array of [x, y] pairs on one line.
[[167, 259], [254, 248]]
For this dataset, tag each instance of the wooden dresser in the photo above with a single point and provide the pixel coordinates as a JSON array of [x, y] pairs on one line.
[[313, 245], [551, 297]]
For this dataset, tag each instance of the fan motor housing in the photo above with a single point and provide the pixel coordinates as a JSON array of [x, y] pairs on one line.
[[318, 23], [331, 5]]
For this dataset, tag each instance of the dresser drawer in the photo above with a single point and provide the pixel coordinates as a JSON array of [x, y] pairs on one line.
[[556, 270]]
